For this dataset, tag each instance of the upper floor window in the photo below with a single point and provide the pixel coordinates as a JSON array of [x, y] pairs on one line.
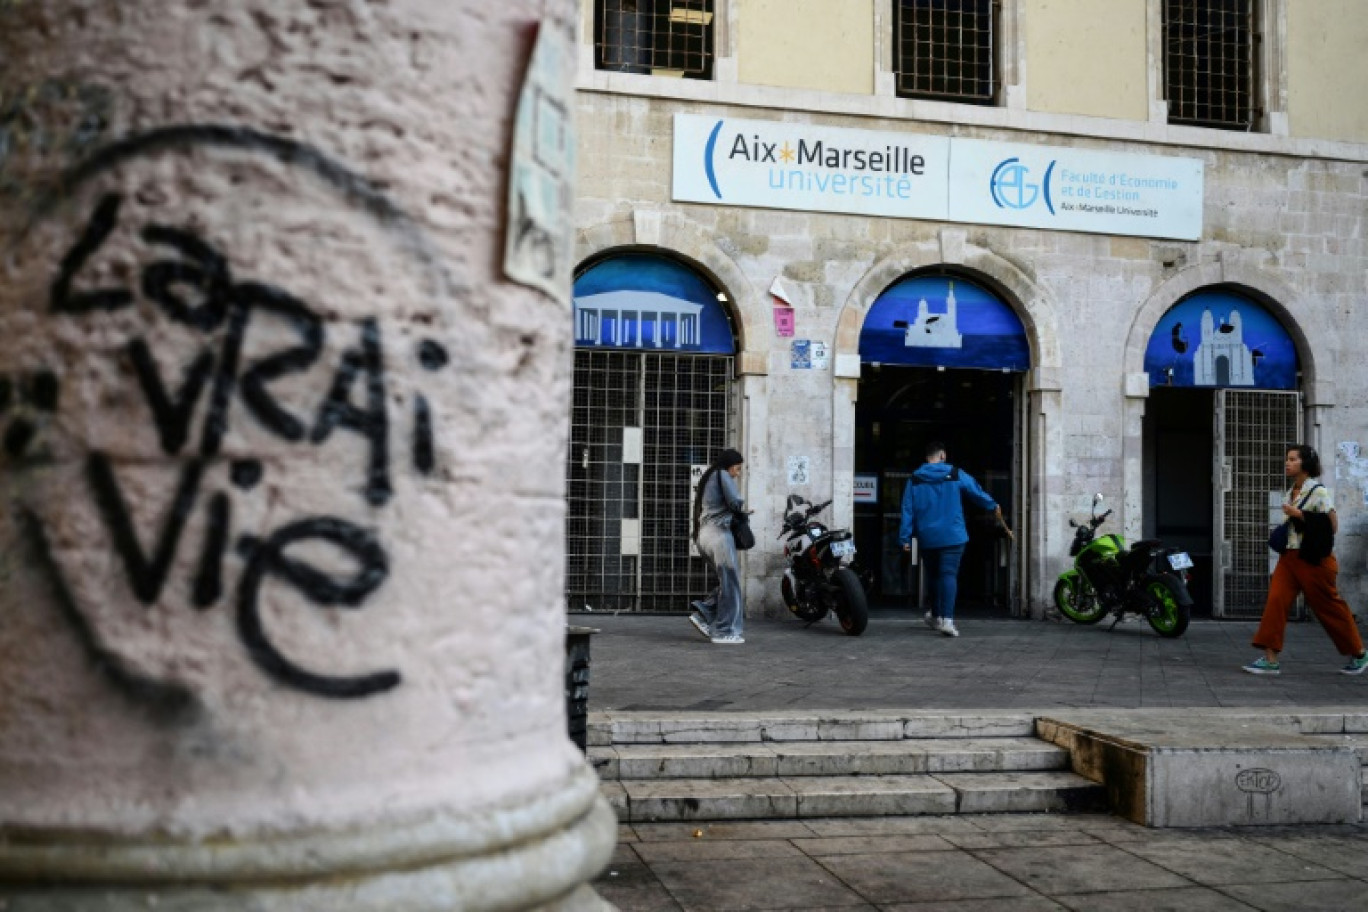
[[656, 37], [946, 49], [1209, 54]]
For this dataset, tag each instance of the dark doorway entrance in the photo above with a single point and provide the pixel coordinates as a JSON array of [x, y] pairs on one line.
[[1179, 433], [974, 413]]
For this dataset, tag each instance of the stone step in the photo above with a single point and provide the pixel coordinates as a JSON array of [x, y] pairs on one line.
[[724, 760], [641, 801], [616, 727]]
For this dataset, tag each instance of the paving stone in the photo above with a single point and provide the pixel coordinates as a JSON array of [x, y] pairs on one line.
[[902, 877], [865, 845], [714, 849], [1216, 862], [1313, 896], [1079, 869], [754, 883], [634, 887], [890, 826], [1020, 838], [1346, 855], [1182, 899]]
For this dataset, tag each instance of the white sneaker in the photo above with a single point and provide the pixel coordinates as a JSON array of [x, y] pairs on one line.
[[931, 621], [947, 628], [731, 639], [700, 625]]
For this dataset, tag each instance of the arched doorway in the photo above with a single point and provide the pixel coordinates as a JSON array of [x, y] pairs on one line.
[[652, 401], [1223, 407], [943, 358]]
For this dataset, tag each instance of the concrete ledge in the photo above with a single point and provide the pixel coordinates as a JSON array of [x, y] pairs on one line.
[[1207, 769]]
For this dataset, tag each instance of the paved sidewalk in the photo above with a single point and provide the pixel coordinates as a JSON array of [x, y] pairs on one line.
[[989, 862], [662, 664], [995, 863]]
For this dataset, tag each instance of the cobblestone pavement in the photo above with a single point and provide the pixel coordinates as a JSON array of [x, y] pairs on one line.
[[991, 862]]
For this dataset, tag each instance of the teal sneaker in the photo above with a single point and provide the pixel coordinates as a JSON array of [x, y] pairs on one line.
[[1261, 666], [1356, 665]]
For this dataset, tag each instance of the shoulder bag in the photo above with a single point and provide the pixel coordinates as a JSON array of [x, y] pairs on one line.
[[1277, 539], [741, 531]]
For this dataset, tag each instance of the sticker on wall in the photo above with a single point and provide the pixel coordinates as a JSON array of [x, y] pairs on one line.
[[943, 321], [802, 354], [1221, 339], [644, 302], [798, 470], [783, 310], [819, 355], [538, 239]]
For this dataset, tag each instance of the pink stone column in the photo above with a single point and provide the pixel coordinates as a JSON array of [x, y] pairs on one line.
[[281, 462]]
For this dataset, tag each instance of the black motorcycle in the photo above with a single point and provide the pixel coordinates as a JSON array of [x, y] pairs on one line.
[[818, 580], [1147, 579]]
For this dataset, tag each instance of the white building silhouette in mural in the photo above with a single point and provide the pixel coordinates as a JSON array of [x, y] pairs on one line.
[[1222, 358], [935, 330], [631, 313]]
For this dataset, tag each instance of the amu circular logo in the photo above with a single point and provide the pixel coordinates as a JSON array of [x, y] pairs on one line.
[[1011, 189]]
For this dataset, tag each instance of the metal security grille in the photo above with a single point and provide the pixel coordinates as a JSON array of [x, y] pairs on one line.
[[946, 49], [656, 37], [1209, 62], [1254, 430], [640, 420]]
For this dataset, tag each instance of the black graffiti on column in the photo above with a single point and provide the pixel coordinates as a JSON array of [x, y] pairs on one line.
[[197, 289], [32, 393]]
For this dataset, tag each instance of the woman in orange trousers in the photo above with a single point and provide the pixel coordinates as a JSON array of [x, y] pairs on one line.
[[1307, 566]]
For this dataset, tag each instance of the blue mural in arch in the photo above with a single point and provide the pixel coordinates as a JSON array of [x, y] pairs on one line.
[[1220, 339], [649, 303], [944, 321]]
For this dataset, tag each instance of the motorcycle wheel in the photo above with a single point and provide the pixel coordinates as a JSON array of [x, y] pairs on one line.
[[1167, 617], [1077, 601], [851, 608], [804, 610]]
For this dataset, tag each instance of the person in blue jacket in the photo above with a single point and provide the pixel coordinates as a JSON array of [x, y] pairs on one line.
[[933, 513]]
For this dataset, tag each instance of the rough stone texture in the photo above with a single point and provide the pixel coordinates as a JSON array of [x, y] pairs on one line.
[[296, 205]]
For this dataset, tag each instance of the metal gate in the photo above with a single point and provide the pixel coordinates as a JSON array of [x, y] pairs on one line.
[[640, 420], [1253, 431]]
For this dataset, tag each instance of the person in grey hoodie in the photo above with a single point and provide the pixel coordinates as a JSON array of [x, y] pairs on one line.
[[721, 616], [933, 513]]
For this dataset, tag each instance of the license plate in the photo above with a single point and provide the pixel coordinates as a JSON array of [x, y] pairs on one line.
[[843, 548], [1179, 560]]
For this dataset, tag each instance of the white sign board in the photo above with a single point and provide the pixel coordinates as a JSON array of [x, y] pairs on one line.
[[732, 162], [866, 489], [1066, 189]]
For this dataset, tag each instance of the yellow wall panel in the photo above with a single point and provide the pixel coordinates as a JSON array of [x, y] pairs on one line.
[[1086, 57], [825, 45], [1327, 69]]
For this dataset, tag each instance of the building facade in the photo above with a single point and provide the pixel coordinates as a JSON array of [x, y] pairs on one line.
[[1110, 247]]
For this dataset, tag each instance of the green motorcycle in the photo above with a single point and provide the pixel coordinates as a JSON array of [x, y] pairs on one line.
[[1147, 579]]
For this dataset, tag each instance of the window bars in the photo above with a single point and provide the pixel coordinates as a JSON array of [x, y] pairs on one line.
[[1209, 71], [656, 37], [946, 49], [640, 421]]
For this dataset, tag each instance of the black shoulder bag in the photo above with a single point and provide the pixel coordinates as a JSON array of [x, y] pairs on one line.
[[1277, 539], [741, 531]]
